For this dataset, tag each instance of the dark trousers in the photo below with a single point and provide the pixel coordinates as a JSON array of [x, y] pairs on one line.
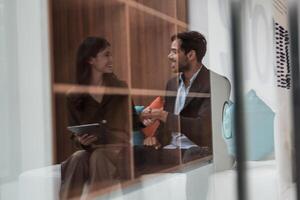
[[96, 169], [104, 167], [150, 160]]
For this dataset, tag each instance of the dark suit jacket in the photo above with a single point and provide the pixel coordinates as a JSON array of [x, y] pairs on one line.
[[195, 118]]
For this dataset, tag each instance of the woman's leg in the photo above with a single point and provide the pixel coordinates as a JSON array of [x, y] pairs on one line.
[[103, 168], [108, 166], [74, 174]]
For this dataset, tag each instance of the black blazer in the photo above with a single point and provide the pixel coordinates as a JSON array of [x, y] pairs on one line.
[[195, 118], [83, 109]]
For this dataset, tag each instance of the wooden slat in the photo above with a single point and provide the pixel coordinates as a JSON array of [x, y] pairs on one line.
[[154, 12], [139, 32], [70, 88]]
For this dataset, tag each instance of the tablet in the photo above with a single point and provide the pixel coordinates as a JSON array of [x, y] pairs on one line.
[[92, 129]]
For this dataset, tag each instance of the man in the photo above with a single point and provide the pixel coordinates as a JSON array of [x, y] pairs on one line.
[[186, 118]]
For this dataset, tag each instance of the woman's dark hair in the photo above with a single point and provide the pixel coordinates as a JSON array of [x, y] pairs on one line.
[[90, 47], [192, 40]]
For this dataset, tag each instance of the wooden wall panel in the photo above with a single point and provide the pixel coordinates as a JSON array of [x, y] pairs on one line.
[[150, 44], [181, 10], [64, 145], [74, 20], [167, 7], [148, 47], [174, 8]]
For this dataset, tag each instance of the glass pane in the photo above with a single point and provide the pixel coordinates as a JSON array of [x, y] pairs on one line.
[[138, 36], [266, 100], [135, 100]]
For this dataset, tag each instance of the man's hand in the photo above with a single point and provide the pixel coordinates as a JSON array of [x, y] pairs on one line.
[[86, 139], [155, 114], [151, 141], [148, 122]]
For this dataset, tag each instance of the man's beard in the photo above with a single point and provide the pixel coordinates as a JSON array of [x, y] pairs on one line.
[[183, 67]]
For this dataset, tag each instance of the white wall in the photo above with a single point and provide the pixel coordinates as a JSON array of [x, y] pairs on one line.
[[259, 67], [25, 106], [283, 119], [258, 45], [219, 37], [34, 83], [9, 101], [259, 71], [198, 21]]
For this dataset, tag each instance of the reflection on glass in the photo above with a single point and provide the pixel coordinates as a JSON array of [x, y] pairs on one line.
[[177, 128], [160, 122], [169, 89], [157, 104]]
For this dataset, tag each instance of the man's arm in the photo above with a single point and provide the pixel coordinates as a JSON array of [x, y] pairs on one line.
[[197, 129]]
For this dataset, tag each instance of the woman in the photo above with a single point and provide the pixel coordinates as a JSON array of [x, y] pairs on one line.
[[102, 161]]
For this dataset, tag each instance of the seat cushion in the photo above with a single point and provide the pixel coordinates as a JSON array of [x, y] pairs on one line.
[[262, 180], [259, 124]]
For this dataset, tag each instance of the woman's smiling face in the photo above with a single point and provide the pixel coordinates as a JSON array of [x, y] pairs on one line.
[[103, 61]]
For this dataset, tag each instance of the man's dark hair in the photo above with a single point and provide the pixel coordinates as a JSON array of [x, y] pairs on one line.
[[192, 40]]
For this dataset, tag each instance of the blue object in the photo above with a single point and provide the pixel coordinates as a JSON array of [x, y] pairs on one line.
[[259, 125], [139, 109], [138, 136], [228, 127]]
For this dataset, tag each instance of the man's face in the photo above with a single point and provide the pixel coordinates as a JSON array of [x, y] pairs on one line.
[[178, 60]]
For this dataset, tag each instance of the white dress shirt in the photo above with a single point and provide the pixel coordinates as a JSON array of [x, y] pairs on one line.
[[179, 140]]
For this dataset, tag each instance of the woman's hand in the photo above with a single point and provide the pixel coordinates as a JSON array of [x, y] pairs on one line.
[[154, 114], [86, 139]]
